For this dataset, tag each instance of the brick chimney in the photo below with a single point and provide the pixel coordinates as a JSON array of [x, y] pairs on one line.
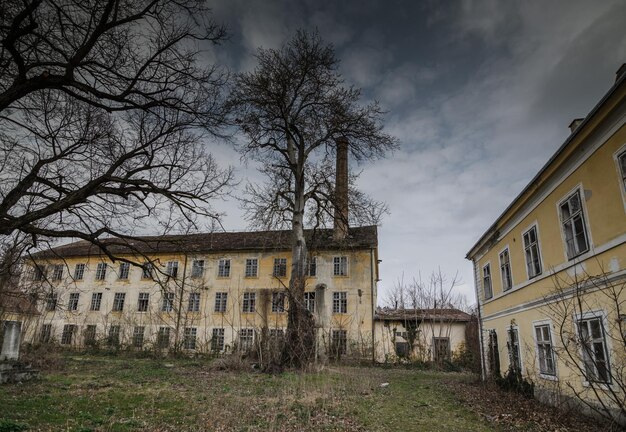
[[341, 191]]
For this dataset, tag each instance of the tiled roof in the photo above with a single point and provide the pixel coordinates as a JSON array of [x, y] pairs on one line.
[[358, 238], [387, 314], [18, 303]]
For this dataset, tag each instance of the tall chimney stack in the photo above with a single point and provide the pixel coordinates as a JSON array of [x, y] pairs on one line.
[[341, 191]]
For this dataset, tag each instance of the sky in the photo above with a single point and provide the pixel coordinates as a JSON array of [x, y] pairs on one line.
[[479, 94]]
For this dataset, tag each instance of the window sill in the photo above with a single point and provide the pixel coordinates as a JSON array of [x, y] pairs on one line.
[[548, 377]]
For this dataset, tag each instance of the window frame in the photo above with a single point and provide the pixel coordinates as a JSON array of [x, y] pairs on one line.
[[533, 227], [505, 251], [309, 303], [167, 303], [248, 304], [190, 338], [114, 335], [163, 337], [45, 334], [251, 264], [545, 375], [311, 266], [118, 302], [79, 271], [171, 269], [72, 303], [278, 302], [340, 302], [143, 301], [606, 341], [510, 343], [101, 271], [193, 302], [223, 268], [246, 334], [52, 301], [280, 267], [217, 339], [341, 266], [124, 272], [221, 303], [621, 172], [339, 342], [139, 333], [195, 265], [69, 332], [147, 270], [57, 272], [89, 334], [487, 265], [578, 190]]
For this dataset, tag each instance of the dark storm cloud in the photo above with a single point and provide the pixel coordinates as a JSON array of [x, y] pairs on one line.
[[480, 94]]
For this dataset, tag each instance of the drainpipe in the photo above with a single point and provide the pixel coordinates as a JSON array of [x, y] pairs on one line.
[[483, 368], [372, 264]]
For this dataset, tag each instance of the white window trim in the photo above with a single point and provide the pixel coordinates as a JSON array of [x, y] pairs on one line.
[[583, 207], [534, 224], [622, 188], [347, 266], [519, 343], [482, 280], [602, 314], [547, 322], [506, 247]]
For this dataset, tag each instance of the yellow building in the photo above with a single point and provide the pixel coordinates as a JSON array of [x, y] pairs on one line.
[[551, 270], [205, 292]]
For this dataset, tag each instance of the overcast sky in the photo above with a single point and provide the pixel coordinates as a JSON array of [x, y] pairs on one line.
[[479, 94]]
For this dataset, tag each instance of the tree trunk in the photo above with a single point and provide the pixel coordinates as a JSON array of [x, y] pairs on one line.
[[299, 346]]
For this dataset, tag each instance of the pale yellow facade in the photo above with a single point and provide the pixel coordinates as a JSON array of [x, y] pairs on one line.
[[342, 302], [568, 279]]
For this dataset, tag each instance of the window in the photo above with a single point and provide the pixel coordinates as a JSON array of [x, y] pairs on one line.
[[168, 302], [143, 302], [487, 290], [544, 350], [96, 301], [90, 335], [101, 271], [197, 269], [220, 301], [309, 301], [402, 349], [223, 268], [340, 302], [194, 302], [118, 302], [138, 334], [442, 349], [172, 269], [311, 268], [39, 273], [51, 301], [124, 270], [594, 350], [531, 249], [190, 338], [277, 334], [280, 267], [57, 272], [73, 303], [573, 223], [46, 333], [79, 271], [514, 351], [278, 302], [505, 270], [340, 266], [68, 334], [146, 270], [217, 340], [339, 342], [246, 339], [163, 337], [249, 302], [114, 336], [621, 160], [252, 267]]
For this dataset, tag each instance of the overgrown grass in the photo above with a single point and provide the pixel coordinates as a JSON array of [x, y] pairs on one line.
[[121, 394]]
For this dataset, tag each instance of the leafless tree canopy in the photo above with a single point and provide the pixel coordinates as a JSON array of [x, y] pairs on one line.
[[103, 109], [293, 108]]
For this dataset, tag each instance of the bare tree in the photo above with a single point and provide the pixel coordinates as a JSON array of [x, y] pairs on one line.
[[104, 106], [293, 109]]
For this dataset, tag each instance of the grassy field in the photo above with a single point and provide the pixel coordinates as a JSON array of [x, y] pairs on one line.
[[121, 394]]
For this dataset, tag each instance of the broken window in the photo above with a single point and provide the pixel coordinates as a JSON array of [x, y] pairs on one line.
[[73, 303], [402, 349], [505, 270], [194, 302], [223, 268], [172, 269], [197, 269], [46, 333], [39, 272], [531, 249], [252, 267], [573, 222], [101, 271], [249, 302], [340, 302], [217, 340], [544, 349], [340, 266], [143, 302], [146, 270], [280, 267], [118, 302], [442, 349], [246, 339], [514, 349], [278, 302], [124, 270], [339, 342], [309, 301], [90, 335], [220, 301], [67, 338], [594, 350]]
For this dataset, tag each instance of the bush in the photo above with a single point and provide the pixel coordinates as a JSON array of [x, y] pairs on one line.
[[513, 381], [43, 356]]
